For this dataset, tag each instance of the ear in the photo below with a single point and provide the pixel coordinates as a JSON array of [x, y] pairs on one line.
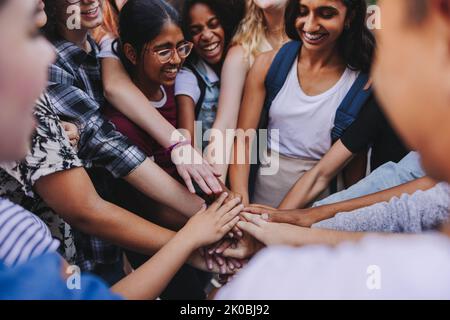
[[130, 53]]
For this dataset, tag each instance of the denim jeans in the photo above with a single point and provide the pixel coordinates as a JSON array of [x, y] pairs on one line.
[[385, 177]]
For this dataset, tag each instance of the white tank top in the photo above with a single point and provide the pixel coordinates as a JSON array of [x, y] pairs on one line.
[[305, 122]]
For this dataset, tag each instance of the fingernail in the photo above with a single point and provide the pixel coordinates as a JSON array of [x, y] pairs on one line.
[[240, 234]]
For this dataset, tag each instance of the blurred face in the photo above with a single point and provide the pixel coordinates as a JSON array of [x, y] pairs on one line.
[[412, 79], [207, 34], [270, 4], [91, 15], [164, 47], [24, 59], [41, 17], [320, 23]]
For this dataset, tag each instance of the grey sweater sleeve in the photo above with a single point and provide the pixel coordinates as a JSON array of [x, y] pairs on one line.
[[421, 211]]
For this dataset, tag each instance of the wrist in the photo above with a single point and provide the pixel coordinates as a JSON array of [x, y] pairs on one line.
[[177, 145], [187, 240]]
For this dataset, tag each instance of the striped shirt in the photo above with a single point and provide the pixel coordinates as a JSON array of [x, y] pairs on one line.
[[23, 235]]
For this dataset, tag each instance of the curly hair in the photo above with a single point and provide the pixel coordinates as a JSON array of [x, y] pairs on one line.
[[229, 12]]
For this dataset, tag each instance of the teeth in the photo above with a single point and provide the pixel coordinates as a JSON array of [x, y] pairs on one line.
[[91, 11], [313, 37], [211, 47], [171, 70]]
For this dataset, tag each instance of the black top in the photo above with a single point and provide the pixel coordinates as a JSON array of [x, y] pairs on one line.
[[372, 129]]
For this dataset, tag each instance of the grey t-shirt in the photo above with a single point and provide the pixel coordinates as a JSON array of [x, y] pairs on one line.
[[419, 212]]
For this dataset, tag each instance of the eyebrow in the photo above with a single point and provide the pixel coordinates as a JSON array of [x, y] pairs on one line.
[[168, 45]]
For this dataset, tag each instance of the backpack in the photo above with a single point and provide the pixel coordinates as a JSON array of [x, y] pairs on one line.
[[201, 86], [278, 72]]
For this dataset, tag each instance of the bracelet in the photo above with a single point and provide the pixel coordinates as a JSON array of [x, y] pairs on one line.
[[177, 145]]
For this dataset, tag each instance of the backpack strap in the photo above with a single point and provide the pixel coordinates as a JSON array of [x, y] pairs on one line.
[[279, 71], [350, 107], [202, 87]]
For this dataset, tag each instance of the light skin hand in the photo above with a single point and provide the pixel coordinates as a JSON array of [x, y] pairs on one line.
[[191, 165], [72, 132], [212, 224], [269, 233], [299, 217]]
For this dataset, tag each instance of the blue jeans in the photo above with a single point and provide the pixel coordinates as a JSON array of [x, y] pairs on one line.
[[385, 177]]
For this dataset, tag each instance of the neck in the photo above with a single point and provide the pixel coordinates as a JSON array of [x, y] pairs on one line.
[[274, 18], [78, 37], [275, 30], [325, 58], [150, 89]]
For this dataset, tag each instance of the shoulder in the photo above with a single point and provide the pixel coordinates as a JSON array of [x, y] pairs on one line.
[[236, 56], [262, 64]]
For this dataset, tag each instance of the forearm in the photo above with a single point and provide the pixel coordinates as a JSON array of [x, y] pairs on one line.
[[329, 211], [150, 279], [83, 208], [297, 236], [308, 188], [158, 185], [116, 225], [124, 95]]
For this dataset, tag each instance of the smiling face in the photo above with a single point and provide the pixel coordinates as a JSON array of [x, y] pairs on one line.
[[207, 34], [91, 13], [156, 72], [320, 23], [24, 60]]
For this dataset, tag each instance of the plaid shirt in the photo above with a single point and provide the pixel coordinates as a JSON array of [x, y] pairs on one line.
[[50, 153], [76, 93]]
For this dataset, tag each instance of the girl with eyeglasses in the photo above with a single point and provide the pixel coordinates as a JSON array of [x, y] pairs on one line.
[[152, 49], [123, 94]]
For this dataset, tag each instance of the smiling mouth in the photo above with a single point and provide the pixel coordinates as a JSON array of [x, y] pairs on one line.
[[211, 47], [90, 12], [314, 37], [171, 72]]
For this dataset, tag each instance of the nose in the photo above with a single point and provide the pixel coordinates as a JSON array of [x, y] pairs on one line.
[[207, 34], [176, 59], [311, 24]]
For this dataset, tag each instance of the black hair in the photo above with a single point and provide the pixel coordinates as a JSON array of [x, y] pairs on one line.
[[140, 22], [229, 12], [356, 44], [50, 30]]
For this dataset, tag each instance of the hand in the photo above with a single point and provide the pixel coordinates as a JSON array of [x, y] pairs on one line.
[[72, 132], [212, 224], [271, 233], [197, 260], [224, 263], [298, 217], [243, 248], [191, 165], [235, 233]]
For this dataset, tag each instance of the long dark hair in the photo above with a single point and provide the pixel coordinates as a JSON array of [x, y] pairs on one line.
[[140, 22], [50, 30], [229, 12], [356, 44]]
